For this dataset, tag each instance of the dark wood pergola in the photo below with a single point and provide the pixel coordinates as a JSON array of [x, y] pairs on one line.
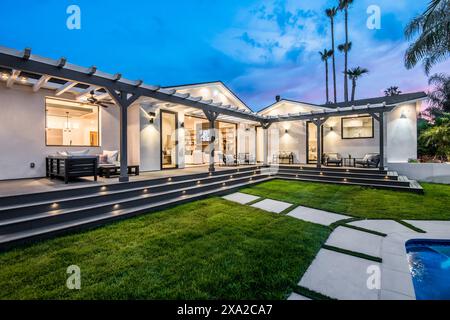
[[125, 92]]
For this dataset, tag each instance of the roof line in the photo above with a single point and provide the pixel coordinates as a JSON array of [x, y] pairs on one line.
[[213, 82], [290, 100]]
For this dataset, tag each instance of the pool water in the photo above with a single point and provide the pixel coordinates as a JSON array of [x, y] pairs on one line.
[[429, 262]]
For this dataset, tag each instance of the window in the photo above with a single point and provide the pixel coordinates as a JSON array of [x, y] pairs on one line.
[[70, 123], [357, 127]]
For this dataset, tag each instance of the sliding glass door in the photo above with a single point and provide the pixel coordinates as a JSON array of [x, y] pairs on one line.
[[168, 140]]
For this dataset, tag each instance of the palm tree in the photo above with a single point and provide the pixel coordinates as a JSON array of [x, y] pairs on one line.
[[433, 41], [325, 55], [331, 13], [440, 96], [392, 91], [354, 74], [343, 6]]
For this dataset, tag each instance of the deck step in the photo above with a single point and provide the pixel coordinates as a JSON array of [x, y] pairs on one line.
[[44, 232]]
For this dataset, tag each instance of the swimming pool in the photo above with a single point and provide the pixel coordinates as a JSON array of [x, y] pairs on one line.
[[429, 262]]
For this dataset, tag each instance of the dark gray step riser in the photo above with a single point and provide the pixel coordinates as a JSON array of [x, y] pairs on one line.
[[54, 219], [66, 204], [385, 187], [341, 174], [86, 226], [336, 179], [336, 169]]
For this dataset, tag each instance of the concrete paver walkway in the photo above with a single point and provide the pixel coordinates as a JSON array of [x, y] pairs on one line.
[[272, 205], [431, 226], [316, 216], [240, 197], [356, 241]]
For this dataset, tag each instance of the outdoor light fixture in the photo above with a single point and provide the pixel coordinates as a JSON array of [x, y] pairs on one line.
[[286, 131], [182, 125], [403, 115], [331, 128], [151, 116], [5, 76], [23, 79]]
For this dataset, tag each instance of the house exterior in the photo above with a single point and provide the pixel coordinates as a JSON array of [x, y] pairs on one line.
[[50, 106]]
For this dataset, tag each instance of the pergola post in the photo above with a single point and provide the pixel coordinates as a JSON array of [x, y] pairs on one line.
[[265, 126], [212, 117], [319, 122], [380, 118], [123, 101]]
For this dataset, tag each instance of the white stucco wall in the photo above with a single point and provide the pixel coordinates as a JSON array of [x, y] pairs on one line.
[[294, 140], [428, 172], [357, 148], [22, 132], [401, 138]]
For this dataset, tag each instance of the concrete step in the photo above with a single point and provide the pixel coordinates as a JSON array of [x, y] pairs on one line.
[[51, 230]]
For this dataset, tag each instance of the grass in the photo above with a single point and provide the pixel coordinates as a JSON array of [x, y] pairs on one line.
[[209, 249], [359, 201]]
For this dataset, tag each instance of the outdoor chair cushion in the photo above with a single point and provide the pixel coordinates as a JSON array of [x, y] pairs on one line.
[[112, 155]]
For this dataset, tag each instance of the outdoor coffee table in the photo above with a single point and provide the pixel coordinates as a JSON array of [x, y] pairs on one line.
[[113, 170]]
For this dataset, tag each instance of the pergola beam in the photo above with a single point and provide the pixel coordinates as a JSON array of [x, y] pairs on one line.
[[41, 82], [65, 87], [86, 92], [12, 78], [78, 76]]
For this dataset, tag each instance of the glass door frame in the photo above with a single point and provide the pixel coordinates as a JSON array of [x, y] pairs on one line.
[[161, 139]]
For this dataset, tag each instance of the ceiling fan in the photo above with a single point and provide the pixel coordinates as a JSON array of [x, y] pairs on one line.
[[93, 100]]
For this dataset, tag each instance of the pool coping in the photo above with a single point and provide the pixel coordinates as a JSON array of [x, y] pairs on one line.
[[395, 262]]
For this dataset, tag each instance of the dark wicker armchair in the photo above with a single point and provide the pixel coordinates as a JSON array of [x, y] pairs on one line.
[[369, 160], [332, 159]]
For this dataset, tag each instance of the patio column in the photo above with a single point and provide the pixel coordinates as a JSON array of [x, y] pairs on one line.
[[319, 122], [212, 117], [265, 126], [123, 100], [380, 118]]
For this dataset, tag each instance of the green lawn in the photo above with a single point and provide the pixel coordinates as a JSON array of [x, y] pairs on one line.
[[359, 201], [209, 249]]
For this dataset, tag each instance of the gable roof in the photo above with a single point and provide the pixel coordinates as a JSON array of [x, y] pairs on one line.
[[275, 104], [209, 83], [391, 100]]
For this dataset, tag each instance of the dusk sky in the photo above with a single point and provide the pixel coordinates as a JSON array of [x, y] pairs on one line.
[[257, 48]]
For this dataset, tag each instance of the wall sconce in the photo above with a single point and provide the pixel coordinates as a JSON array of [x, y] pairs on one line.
[[152, 116], [182, 124], [286, 131], [247, 129], [403, 115], [331, 128]]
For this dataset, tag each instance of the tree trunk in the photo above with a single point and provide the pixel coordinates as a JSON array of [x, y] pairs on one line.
[[346, 57], [334, 60], [326, 80], [353, 89]]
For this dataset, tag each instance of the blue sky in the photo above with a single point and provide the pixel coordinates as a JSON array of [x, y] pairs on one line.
[[258, 48]]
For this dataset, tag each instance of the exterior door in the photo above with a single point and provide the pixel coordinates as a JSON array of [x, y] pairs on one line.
[[169, 140]]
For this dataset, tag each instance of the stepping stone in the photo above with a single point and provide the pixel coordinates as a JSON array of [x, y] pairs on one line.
[[296, 296], [241, 198], [316, 216], [355, 240], [272, 205], [340, 276], [431, 226], [383, 226]]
